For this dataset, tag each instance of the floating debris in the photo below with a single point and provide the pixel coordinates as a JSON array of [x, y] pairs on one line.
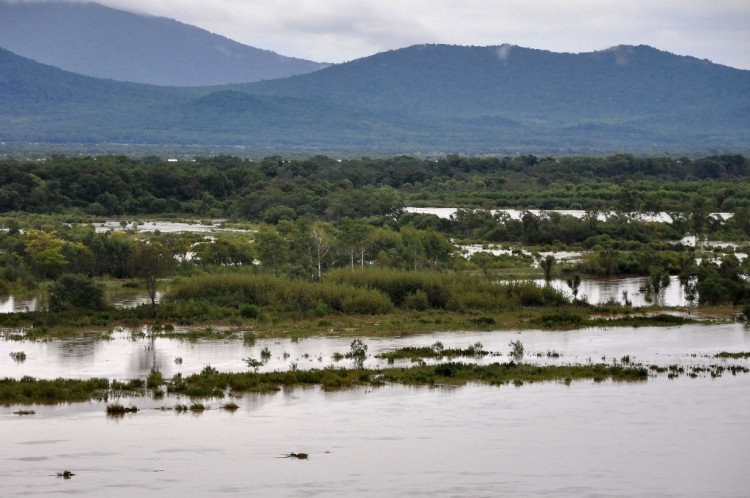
[[298, 456]]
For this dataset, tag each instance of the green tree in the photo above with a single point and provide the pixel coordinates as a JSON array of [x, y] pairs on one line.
[[271, 248], [45, 253], [153, 261], [547, 264]]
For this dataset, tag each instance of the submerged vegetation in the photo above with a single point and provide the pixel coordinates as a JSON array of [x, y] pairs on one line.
[[211, 383]]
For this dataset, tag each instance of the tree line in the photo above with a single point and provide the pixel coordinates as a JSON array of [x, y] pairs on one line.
[[274, 188]]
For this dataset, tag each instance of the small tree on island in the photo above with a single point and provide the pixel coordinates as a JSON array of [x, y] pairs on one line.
[[152, 261]]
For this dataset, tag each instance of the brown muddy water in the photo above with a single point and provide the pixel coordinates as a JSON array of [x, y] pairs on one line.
[[658, 438]]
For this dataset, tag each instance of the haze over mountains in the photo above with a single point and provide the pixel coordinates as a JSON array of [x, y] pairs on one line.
[[95, 40], [426, 98]]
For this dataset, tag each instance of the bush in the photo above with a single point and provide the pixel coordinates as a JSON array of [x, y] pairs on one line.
[[417, 300], [249, 311], [76, 292]]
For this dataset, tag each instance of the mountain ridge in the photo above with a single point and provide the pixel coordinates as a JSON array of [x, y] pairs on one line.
[[422, 98], [94, 40]]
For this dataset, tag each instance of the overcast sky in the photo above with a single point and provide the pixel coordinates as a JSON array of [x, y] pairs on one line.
[[341, 30]]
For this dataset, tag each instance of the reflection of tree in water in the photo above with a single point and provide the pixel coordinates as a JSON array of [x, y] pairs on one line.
[[77, 350], [13, 304], [145, 357]]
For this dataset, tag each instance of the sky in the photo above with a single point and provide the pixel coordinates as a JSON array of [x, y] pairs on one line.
[[343, 30]]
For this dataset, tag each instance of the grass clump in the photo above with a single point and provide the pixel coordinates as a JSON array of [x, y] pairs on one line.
[[735, 356], [436, 351], [154, 379], [116, 409], [18, 356], [29, 390]]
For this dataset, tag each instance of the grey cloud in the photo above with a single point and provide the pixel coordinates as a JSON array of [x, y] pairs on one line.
[[338, 30]]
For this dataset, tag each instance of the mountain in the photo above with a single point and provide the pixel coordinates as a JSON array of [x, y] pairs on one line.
[[429, 98], [622, 84], [99, 41]]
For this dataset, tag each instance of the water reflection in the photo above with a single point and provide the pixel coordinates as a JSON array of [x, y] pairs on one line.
[[619, 289], [166, 226], [516, 214], [117, 298], [14, 304], [124, 358]]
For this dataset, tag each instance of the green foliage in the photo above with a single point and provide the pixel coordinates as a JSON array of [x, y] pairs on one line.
[[76, 293], [29, 390], [516, 349], [357, 352], [278, 293], [249, 311], [154, 379]]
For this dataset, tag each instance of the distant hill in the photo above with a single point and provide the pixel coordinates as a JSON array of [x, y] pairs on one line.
[[626, 85], [94, 40], [433, 98]]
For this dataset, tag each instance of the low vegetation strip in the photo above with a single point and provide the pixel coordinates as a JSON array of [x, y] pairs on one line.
[[211, 383], [29, 390], [742, 355]]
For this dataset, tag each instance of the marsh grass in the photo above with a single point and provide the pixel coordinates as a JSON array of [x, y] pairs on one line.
[[436, 351], [735, 356], [230, 407], [29, 390], [154, 379], [118, 410], [197, 407], [18, 356], [211, 383]]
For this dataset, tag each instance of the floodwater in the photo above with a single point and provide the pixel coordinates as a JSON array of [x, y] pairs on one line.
[[124, 358], [118, 299], [602, 290], [661, 438], [658, 438], [516, 214], [210, 226]]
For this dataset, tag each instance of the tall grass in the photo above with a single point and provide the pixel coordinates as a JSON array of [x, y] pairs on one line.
[[278, 294], [452, 291], [368, 291]]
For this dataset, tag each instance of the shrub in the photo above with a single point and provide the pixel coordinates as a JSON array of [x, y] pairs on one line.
[[249, 311], [74, 291]]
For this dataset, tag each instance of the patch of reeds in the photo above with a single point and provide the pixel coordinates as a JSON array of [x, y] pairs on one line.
[[735, 356], [116, 409], [237, 291], [452, 291], [29, 390], [197, 407], [18, 356], [154, 379], [436, 351]]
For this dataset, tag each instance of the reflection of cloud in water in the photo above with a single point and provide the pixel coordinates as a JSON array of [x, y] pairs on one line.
[[13, 304]]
